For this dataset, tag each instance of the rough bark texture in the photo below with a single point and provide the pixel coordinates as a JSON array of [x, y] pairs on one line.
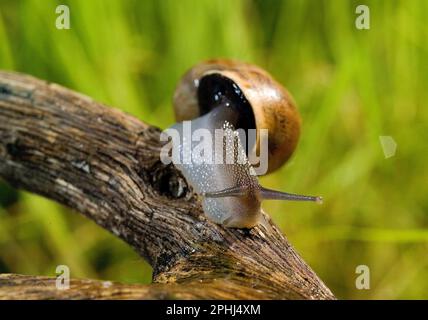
[[105, 164]]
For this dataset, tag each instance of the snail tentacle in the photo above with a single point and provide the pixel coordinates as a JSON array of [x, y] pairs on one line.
[[229, 192], [268, 194]]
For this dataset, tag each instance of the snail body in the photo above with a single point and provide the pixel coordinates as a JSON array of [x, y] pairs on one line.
[[230, 95]]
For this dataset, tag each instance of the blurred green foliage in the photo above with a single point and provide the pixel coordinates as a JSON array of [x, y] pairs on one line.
[[351, 86]]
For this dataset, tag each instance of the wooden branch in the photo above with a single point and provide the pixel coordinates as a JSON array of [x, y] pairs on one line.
[[21, 287], [105, 164]]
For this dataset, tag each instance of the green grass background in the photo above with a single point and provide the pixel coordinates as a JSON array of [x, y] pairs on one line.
[[351, 86]]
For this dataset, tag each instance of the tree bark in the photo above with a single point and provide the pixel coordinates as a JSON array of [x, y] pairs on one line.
[[105, 164]]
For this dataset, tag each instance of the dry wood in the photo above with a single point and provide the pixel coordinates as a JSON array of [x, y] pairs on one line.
[[105, 164]]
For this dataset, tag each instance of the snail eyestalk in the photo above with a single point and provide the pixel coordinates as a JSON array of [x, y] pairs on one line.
[[230, 192], [267, 194]]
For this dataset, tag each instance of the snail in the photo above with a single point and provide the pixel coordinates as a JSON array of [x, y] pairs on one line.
[[231, 95]]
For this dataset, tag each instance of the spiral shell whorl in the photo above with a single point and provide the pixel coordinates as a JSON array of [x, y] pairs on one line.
[[272, 105]]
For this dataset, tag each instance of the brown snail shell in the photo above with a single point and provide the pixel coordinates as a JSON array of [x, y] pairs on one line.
[[271, 104]]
